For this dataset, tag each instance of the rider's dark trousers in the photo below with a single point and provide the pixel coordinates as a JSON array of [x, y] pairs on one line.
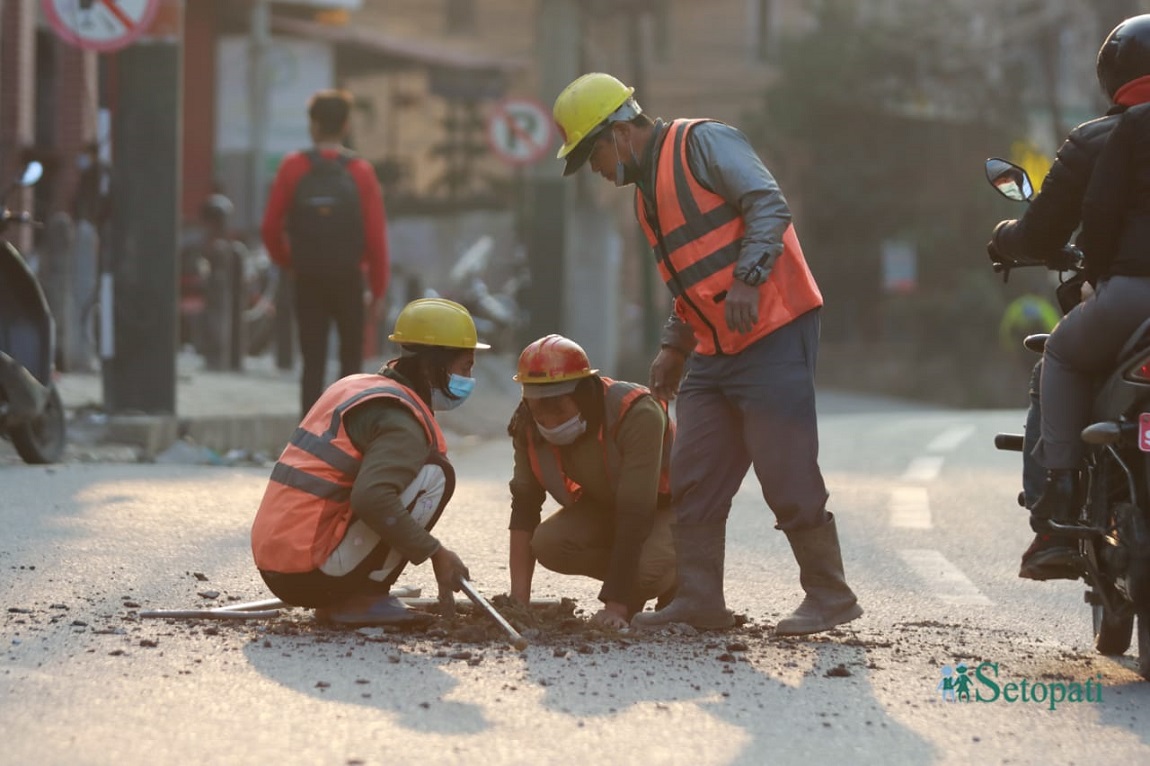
[[1084, 345]]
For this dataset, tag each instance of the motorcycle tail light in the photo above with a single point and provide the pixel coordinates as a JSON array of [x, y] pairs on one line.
[[1140, 371]]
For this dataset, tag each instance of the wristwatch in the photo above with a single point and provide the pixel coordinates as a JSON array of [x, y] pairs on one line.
[[754, 276]]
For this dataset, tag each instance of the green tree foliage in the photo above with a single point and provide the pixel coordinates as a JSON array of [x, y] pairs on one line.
[[878, 126]]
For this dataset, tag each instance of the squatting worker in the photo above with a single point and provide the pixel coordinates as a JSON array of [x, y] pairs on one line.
[[364, 478], [601, 449], [745, 328]]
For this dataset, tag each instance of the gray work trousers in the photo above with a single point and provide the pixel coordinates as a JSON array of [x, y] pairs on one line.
[[756, 408], [1082, 347]]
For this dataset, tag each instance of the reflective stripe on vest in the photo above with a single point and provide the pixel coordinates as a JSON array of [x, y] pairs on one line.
[[306, 507], [547, 463], [697, 238]]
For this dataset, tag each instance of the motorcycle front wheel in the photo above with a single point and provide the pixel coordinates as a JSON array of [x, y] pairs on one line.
[[41, 440], [1144, 645], [1112, 633]]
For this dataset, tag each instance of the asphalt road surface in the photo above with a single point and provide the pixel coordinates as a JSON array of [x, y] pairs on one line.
[[931, 540]]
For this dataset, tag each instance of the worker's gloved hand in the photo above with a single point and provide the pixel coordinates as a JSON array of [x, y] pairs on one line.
[[666, 372], [450, 571]]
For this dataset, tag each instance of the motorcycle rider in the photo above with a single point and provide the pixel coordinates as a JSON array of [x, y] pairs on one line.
[[1123, 70]]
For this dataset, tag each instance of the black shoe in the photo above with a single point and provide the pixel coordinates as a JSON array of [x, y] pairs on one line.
[[1050, 557], [374, 610]]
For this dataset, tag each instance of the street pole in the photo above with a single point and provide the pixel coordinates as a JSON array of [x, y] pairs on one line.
[[259, 42], [141, 281], [652, 321], [558, 34]]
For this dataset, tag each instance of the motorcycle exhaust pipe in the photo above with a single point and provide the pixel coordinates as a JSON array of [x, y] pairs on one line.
[[1008, 442]]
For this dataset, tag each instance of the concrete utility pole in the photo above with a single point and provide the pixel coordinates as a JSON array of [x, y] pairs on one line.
[[652, 317], [558, 35], [573, 248], [259, 41], [140, 374]]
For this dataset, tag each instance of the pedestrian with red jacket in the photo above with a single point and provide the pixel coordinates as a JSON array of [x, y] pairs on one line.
[[325, 225]]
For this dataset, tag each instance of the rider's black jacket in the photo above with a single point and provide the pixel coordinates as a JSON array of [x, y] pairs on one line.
[[1115, 234], [1055, 212]]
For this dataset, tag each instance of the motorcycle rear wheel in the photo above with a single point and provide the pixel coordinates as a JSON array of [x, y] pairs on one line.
[[41, 441], [1112, 633]]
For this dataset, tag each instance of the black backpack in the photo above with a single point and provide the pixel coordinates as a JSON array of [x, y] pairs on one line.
[[325, 223]]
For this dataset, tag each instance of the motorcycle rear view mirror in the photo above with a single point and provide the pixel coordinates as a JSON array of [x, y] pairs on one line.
[[1011, 181]]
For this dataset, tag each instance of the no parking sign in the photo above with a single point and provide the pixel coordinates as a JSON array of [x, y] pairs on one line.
[[519, 131]]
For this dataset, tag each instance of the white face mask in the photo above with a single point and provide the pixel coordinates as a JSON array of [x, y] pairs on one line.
[[564, 433]]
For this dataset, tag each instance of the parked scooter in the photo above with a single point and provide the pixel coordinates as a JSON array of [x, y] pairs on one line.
[[1113, 527], [498, 315], [31, 413]]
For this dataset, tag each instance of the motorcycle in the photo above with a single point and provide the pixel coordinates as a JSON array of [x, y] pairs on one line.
[[31, 413], [498, 315], [1113, 528]]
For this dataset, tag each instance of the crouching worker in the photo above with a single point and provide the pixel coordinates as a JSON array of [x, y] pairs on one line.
[[600, 448], [365, 477]]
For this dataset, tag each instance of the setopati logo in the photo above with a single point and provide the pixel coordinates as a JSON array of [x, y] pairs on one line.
[[981, 683]]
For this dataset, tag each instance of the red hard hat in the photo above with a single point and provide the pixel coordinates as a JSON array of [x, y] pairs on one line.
[[550, 360]]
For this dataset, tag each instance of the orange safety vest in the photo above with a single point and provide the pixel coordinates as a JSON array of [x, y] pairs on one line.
[[697, 237], [547, 464], [307, 504]]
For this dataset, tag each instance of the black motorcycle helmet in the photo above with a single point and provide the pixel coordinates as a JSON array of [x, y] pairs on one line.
[[1125, 55]]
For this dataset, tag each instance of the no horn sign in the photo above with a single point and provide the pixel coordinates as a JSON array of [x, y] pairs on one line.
[[519, 131]]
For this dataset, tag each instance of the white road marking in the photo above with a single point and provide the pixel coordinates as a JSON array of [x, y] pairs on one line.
[[923, 468], [943, 579], [910, 508], [949, 439]]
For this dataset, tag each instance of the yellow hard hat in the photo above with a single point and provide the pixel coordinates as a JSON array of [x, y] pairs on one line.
[[583, 106], [436, 322]]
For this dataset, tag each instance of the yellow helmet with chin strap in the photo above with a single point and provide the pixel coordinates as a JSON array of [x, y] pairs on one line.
[[583, 106], [436, 322]]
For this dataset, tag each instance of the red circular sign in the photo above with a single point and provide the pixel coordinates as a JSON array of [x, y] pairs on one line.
[[519, 131], [100, 25]]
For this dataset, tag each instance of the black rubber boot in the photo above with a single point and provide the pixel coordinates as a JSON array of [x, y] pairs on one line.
[[700, 551], [829, 600]]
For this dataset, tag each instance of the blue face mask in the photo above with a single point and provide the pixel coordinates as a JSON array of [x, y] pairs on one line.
[[458, 386]]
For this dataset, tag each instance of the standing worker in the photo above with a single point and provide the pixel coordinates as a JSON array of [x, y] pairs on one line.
[[601, 448], [325, 223], [745, 328], [355, 493]]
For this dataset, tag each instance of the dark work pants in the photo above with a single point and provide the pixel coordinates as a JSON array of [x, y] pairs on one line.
[[320, 301], [756, 408]]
